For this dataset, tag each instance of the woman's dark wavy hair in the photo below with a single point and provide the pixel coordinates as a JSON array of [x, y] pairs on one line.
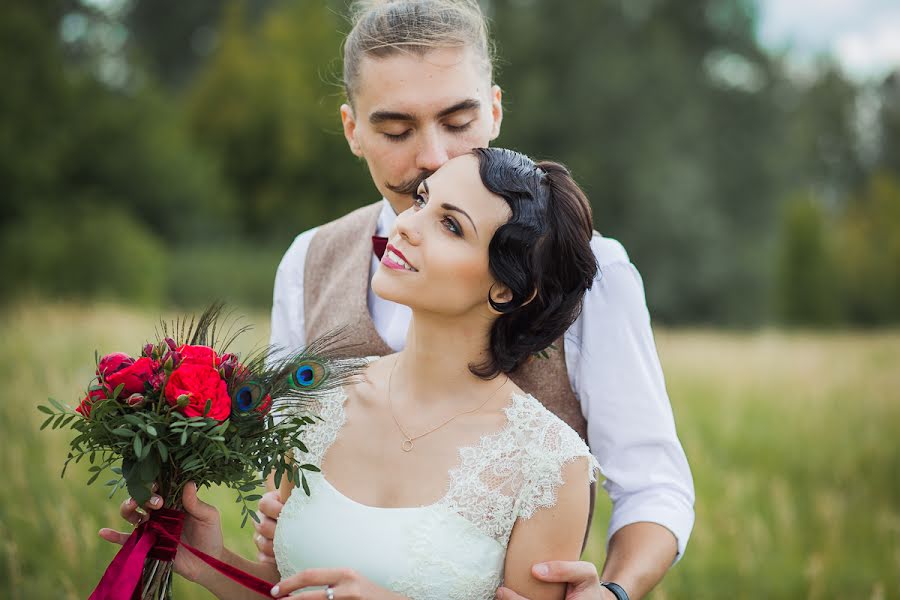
[[542, 254]]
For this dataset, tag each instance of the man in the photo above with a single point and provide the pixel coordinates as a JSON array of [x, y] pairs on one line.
[[418, 79]]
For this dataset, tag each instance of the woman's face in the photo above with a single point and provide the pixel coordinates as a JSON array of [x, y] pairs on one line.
[[437, 254]]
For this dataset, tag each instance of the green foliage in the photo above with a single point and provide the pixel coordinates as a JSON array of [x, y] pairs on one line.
[[267, 108], [83, 250], [807, 290], [870, 253], [223, 138], [240, 274]]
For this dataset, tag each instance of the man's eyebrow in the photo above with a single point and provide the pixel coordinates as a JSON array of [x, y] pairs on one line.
[[467, 104], [381, 116], [446, 206]]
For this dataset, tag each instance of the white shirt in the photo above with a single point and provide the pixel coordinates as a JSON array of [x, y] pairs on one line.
[[613, 368]]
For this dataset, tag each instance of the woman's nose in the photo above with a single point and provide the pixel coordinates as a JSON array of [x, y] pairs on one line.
[[407, 226]]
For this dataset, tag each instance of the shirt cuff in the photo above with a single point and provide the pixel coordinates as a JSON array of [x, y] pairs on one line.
[[672, 514]]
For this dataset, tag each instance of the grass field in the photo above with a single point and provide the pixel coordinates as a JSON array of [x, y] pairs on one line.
[[793, 438]]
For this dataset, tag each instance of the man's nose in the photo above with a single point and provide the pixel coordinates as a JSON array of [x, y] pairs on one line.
[[432, 151]]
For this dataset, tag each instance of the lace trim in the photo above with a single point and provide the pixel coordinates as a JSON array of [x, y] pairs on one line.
[[508, 474]]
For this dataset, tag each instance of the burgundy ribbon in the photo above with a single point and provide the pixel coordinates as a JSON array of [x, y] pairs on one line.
[[159, 538]]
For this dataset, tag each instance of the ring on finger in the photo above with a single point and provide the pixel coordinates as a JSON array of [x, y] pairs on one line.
[[329, 593]]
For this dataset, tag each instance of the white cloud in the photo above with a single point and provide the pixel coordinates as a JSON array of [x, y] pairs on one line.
[[864, 35], [871, 52]]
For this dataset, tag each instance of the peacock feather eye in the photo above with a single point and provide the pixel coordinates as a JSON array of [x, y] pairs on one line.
[[248, 396], [308, 375]]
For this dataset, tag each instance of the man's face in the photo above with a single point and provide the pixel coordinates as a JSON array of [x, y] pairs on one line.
[[411, 114]]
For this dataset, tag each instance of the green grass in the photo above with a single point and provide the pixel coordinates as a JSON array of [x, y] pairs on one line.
[[792, 438]]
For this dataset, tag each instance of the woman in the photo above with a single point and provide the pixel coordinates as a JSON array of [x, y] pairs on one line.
[[439, 476]]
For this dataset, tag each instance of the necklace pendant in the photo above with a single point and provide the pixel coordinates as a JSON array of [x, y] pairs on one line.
[[406, 445]]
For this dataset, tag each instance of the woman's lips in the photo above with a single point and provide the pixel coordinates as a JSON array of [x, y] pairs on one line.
[[394, 259]]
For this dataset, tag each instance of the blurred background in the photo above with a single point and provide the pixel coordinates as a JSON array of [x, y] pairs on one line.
[[158, 154]]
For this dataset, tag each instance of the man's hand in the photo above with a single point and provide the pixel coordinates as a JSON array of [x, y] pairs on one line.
[[270, 506], [581, 577]]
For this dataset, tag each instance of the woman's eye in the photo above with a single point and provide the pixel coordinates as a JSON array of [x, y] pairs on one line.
[[452, 226], [397, 137], [419, 201]]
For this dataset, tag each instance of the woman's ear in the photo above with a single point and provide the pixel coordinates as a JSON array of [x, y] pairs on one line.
[[501, 294]]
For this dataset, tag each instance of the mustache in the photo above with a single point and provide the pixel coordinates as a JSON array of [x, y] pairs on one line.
[[409, 187]]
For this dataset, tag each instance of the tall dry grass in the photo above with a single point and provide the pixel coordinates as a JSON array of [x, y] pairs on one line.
[[793, 438]]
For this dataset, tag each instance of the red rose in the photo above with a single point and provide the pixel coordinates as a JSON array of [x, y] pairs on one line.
[[201, 355], [200, 383], [134, 376], [84, 409], [111, 363]]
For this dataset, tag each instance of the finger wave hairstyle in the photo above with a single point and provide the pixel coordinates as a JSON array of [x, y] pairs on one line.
[[542, 254], [383, 28]]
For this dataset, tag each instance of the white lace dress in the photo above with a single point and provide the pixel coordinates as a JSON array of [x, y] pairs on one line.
[[454, 548]]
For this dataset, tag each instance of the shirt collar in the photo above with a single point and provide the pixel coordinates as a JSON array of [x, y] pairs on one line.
[[385, 219]]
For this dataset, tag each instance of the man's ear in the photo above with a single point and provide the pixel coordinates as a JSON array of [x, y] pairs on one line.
[[349, 123], [496, 110]]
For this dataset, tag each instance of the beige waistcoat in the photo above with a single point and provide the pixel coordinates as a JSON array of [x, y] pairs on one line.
[[335, 292]]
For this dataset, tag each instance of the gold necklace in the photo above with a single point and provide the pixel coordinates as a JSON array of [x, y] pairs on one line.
[[407, 444]]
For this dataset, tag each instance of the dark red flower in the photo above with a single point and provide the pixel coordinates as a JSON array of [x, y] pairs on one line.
[[228, 363], [84, 409], [135, 376], [111, 363], [200, 383]]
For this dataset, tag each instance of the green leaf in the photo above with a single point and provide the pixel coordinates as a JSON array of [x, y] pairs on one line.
[[57, 405], [121, 431], [138, 446], [305, 485], [47, 422], [248, 487], [184, 435], [163, 451], [253, 497], [309, 467], [44, 409], [139, 490], [151, 430]]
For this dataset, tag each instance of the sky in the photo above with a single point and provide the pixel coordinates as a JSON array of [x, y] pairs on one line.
[[864, 35]]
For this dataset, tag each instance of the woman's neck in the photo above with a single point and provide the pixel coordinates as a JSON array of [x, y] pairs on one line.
[[434, 365]]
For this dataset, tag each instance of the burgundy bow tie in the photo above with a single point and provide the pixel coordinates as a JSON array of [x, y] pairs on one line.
[[378, 245]]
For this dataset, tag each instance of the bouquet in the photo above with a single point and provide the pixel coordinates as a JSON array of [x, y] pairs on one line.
[[186, 409]]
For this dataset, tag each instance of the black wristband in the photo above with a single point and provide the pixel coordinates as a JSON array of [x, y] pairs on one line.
[[616, 589]]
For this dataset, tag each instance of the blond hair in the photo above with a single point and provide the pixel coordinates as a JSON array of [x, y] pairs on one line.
[[384, 28]]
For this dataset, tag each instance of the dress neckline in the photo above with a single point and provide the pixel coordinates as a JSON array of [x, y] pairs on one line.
[[341, 399]]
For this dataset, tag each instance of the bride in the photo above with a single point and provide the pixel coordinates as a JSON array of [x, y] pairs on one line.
[[439, 477]]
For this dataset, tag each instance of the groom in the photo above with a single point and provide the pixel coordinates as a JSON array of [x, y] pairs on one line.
[[417, 75]]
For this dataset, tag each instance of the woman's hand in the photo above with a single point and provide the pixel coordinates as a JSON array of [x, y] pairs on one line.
[[345, 585], [202, 530]]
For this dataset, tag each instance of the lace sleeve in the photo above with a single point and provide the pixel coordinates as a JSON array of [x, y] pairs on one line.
[[328, 413], [551, 448]]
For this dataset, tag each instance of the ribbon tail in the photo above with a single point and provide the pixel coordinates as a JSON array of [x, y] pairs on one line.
[[123, 575], [251, 582]]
